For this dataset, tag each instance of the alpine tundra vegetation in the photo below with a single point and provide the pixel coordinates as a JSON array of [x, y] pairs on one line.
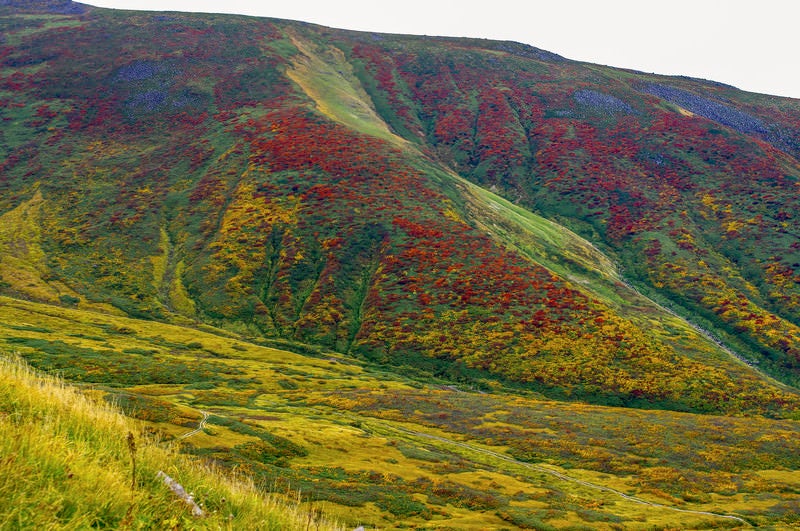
[[387, 281]]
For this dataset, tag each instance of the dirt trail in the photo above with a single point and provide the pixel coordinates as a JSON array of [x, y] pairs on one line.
[[200, 427]]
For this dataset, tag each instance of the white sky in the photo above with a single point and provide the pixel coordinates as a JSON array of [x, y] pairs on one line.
[[751, 44]]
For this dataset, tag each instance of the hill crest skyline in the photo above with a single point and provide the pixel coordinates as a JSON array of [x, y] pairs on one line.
[[621, 33]]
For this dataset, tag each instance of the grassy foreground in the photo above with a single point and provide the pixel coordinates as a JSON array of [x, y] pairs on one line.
[[65, 463]]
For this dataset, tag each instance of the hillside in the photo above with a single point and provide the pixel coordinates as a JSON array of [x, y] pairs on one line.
[[67, 465], [284, 186], [600, 257]]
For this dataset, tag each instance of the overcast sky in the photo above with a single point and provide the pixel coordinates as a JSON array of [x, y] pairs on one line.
[[753, 45]]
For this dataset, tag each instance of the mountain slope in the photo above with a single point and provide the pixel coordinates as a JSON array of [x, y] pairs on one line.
[[422, 282], [243, 172], [689, 184], [207, 179]]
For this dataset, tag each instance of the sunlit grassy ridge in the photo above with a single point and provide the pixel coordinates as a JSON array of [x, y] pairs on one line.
[[66, 464], [327, 78]]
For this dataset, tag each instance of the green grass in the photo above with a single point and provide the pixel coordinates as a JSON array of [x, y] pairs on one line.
[[66, 464], [43, 23], [328, 79], [546, 242]]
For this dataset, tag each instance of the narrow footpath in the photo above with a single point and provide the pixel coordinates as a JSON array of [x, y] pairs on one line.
[[200, 427]]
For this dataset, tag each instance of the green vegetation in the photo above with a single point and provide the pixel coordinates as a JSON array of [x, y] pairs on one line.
[[249, 181], [67, 464], [368, 446], [421, 282]]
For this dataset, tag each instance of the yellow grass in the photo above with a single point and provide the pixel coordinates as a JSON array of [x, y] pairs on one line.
[[22, 259], [65, 464], [322, 404]]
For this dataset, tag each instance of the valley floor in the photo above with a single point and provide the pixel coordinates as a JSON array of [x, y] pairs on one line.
[[370, 447]]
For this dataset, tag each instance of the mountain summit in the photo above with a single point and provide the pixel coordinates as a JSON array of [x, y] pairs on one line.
[[65, 7]]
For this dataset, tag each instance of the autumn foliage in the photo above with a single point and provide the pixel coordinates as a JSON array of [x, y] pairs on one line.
[[188, 176]]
